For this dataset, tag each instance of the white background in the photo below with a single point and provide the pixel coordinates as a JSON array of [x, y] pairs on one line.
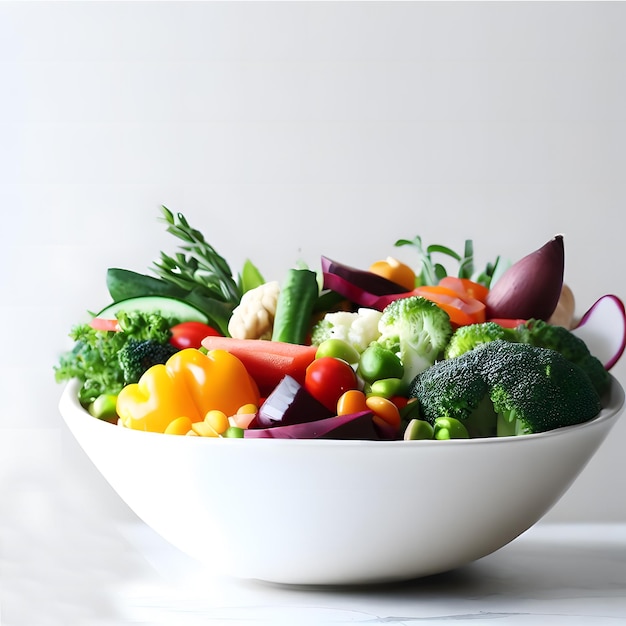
[[285, 131]]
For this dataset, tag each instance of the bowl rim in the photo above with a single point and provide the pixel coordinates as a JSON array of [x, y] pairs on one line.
[[614, 403]]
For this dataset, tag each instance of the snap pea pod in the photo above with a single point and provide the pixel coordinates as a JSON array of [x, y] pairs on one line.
[[296, 301]]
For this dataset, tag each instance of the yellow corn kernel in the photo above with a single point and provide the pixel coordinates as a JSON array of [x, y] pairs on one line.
[[179, 426], [247, 409], [218, 420]]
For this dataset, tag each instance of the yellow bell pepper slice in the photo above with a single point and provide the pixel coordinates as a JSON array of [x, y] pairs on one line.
[[189, 384]]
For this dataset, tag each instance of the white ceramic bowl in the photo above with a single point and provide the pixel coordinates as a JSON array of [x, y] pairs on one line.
[[338, 512]]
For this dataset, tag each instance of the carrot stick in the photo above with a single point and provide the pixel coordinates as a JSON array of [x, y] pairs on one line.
[[268, 362]]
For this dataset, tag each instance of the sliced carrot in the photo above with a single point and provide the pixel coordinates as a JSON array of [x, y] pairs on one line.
[[462, 310], [268, 362], [466, 287]]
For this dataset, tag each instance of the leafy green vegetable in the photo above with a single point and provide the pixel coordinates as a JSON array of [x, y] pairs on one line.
[[250, 277], [94, 358], [124, 284]]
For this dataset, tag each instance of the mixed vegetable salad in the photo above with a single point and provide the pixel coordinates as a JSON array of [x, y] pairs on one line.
[[386, 352]]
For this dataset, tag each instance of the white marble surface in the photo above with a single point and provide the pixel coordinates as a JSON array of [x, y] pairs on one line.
[[554, 574]]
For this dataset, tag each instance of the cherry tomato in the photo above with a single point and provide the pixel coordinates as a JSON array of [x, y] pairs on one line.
[[191, 334], [327, 378]]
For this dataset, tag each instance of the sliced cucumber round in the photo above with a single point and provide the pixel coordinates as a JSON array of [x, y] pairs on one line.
[[163, 305]]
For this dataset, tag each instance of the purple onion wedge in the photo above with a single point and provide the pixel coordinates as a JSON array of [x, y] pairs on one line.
[[353, 426], [531, 287], [359, 286], [289, 403]]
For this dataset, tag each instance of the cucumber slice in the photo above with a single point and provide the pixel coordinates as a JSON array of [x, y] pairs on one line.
[[168, 307]]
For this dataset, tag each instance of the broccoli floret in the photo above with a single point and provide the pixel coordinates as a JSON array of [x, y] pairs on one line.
[[321, 331], [466, 338], [506, 388], [138, 356], [417, 330], [541, 334], [536, 333], [94, 358]]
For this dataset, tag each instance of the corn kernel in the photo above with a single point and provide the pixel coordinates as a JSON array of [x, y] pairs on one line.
[[247, 409], [218, 420]]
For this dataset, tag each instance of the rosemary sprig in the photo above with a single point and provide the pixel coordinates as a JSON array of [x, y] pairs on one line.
[[198, 266]]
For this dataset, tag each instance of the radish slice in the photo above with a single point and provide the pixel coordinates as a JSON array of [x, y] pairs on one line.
[[603, 329], [101, 323]]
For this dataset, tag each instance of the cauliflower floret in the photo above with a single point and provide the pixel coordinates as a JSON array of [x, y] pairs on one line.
[[358, 328], [253, 318]]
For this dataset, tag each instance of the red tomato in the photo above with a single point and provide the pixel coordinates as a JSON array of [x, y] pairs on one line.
[[506, 322], [191, 334], [327, 378]]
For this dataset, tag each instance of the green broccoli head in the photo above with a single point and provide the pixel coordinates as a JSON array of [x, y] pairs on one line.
[[541, 334], [466, 338], [138, 356], [417, 330], [507, 388], [455, 388]]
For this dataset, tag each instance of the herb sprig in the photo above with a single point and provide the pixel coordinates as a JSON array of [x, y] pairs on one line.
[[431, 272], [202, 267]]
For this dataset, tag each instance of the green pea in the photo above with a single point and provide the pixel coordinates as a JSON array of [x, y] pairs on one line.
[[234, 432], [388, 387], [377, 363], [450, 428], [339, 349], [418, 429], [104, 407]]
